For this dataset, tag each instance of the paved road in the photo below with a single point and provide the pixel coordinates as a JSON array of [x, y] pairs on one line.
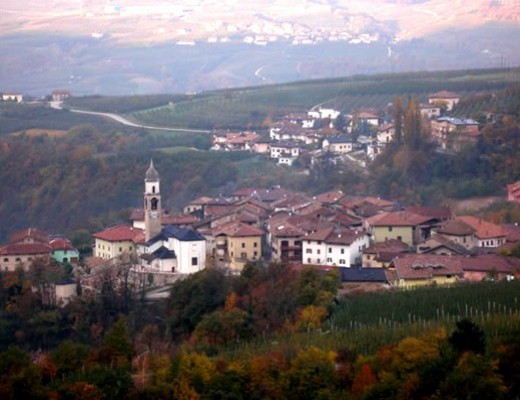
[[57, 106]]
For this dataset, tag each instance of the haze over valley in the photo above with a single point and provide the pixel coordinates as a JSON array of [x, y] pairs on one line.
[[129, 47]]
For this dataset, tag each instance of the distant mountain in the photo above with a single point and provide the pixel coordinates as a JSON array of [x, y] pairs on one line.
[[124, 47]]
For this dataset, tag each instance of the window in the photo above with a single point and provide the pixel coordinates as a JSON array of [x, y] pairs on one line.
[[308, 251], [390, 229], [329, 259], [18, 259], [342, 262], [6, 259], [342, 251], [120, 249], [243, 255], [255, 254], [255, 244], [243, 245], [330, 249], [318, 251], [400, 238], [130, 248], [308, 260], [194, 260]]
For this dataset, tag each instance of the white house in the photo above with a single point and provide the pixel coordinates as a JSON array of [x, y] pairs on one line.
[[284, 152], [333, 246], [11, 96], [385, 134], [338, 144], [322, 113]]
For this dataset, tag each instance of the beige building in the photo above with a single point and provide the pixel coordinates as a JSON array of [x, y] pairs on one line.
[[22, 255], [238, 243], [115, 241], [409, 228]]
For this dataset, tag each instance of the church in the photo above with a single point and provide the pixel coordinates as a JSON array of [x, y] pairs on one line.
[[161, 248]]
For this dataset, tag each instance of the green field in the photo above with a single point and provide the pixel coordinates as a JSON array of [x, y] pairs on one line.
[[367, 322]]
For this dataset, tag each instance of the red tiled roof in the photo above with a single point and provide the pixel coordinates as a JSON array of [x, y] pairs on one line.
[[491, 262], [483, 229], [238, 229], [455, 228], [333, 235], [118, 233], [286, 230], [426, 266], [330, 197], [33, 233], [25, 248], [389, 246], [399, 218], [61, 244]]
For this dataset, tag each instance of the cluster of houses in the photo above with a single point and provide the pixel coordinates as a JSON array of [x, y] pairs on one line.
[[366, 131], [17, 97], [375, 239], [367, 239]]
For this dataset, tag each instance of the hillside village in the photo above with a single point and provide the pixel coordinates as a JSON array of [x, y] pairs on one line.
[[371, 241], [357, 137]]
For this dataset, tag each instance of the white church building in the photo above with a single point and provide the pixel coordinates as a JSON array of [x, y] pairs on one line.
[[160, 248], [167, 248]]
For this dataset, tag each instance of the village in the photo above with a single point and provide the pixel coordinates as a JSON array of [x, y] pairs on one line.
[[358, 137], [371, 241]]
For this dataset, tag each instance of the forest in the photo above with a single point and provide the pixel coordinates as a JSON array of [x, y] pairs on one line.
[[271, 332]]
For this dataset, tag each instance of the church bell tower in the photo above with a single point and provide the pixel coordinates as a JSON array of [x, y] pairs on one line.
[[152, 203]]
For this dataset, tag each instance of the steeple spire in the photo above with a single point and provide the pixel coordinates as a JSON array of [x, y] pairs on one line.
[[151, 174]]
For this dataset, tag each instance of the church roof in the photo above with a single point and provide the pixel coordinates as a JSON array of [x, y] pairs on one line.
[[151, 175], [173, 231]]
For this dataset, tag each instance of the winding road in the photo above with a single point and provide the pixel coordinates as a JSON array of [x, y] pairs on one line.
[[57, 106]]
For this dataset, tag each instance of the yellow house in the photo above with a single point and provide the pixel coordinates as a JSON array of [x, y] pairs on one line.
[[407, 227], [413, 270], [238, 243], [115, 241]]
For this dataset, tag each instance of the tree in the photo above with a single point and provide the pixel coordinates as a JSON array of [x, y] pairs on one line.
[[468, 337], [311, 375], [412, 125], [397, 112]]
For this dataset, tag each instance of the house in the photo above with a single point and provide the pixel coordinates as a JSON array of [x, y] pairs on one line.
[[234, 141], [197, 204], [408, 227], [60, 95], [12, 96], [439, 244], [334, 246], [261, 145], [22, 255], [63, 251], [367, 118], [412, 270], [322, 113], [429, 111], [379, 255], [285, 152], [338, 144], [286, 243], [56, 247], [114, 241], [385, 134], [238, 243], [454, 133], [486, 233], [444, 99], [513, 192], [490, 267], [457, 231]]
